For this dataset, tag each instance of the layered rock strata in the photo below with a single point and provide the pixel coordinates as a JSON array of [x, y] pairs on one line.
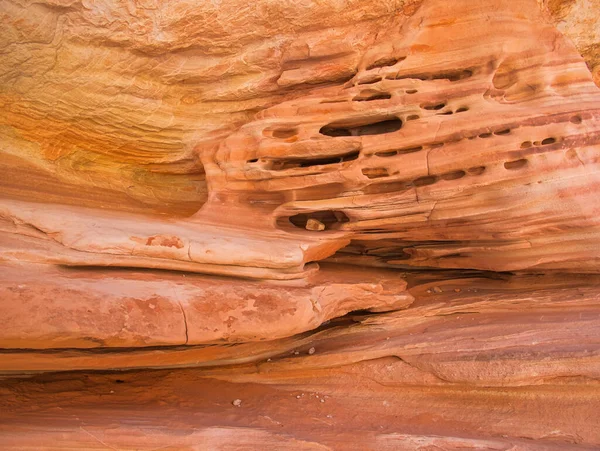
[[352, 225]]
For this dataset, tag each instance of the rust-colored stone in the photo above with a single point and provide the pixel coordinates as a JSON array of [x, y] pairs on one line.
[[282, 225]]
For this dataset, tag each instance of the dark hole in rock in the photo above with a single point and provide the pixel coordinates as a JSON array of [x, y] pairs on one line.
[[283, 133], [517, 164], [373, 128], [434, 106], [526, 144], [455, 175], [411, 91], [424, 181], [503, 132], [308, 162], [254, 160], [548, 141], [375, 173], [319, 220], [369, 96], [387, 153], [445, 113], [449, 75], [462, 109], [476, 170], [454, 75], [421, 77], [576, 119], [485, 135], [413, 117]]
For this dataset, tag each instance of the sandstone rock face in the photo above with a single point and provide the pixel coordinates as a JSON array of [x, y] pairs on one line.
[[356, 225]]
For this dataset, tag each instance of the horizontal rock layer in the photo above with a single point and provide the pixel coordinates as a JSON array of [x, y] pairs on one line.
[[507, 362]]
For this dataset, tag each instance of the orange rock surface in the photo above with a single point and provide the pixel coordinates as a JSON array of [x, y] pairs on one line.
[[282, 225]]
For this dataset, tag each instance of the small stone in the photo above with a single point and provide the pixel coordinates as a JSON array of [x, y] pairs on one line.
[[297, 352], [311, 351], [237, 402], [322, 400], [437, 289], [268, 360], [429, 291], [313, 224], [298, 396]]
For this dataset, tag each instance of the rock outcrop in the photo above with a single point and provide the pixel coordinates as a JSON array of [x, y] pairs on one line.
[[332, 225]]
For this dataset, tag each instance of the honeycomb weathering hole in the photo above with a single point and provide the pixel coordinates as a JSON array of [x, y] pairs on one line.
[[317, 220], [369, 96], [289, 163], [517, 164], [379, 127]]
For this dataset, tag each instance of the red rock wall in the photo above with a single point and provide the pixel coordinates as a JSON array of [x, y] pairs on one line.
[[356, 225]]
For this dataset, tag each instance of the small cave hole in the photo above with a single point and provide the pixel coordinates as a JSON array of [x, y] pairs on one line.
[[413, 117], [434, 106], [284, 133], [462, 109], [309, 162], [445, 113], [424, 181], [318, 220], [385, 154], [476, 170], [576, 119], [455, 175], [485, 135], [254, 160], [375, 173], [369, 96], [334, 101], [373, 128], [506, 131], [548, 141], [453, 76], [517, 164], [411, 91], [526, 144]]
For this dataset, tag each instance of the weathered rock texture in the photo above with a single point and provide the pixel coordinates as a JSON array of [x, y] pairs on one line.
[[358, 225]]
